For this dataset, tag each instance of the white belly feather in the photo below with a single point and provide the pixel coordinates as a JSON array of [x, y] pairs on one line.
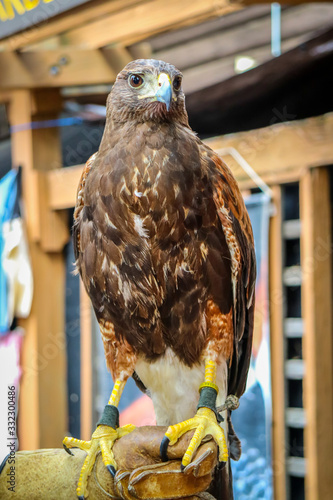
[[174, 387]]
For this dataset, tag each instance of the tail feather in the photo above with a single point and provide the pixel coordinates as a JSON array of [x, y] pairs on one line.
[[221, 487]]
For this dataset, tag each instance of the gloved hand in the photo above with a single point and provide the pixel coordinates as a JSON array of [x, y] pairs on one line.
[[141, 474], [53, 474]]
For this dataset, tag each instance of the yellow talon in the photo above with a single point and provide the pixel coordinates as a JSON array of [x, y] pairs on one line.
[[174, 432], [106, 433], [102, 440], [194, 445], [205, 424]]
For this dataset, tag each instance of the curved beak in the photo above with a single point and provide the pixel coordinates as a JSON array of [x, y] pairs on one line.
[[164, 92]]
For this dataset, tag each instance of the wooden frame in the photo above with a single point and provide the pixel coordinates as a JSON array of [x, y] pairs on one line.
[[317, 298], [78, 38], [277, 348], [68, 20], [44, 347], [155, 15], [268, 149], [58, 52]]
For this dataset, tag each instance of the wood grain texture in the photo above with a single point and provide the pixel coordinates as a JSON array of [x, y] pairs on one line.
[[277, 348], [248, 34], [316, 262], [64, 22], [62, 185], [145, 19], [42, 69], [281, 152], [43, 408]]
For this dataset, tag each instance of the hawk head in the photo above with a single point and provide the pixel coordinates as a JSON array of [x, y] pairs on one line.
[[148, 90]]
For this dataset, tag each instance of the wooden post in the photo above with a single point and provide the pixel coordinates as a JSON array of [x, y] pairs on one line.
[[277, 348], [316, 261], [42, 407]]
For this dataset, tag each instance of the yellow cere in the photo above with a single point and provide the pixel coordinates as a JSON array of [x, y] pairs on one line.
[[163, 78]]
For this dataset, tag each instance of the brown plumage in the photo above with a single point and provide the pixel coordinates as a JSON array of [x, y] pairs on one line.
[[164, 247], [163, 241]]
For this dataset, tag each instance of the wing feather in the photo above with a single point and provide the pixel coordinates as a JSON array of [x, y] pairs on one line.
[[237, 229], [80, 204]]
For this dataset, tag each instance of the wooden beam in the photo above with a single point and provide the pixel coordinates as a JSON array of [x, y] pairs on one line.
[[65, 66], [19, 111], [54, 232], [4, 97], [92, 11], [254, 34], [45, 226], [282, 152], [43, 406], [66, 21], [141, 50], [144, 19], [217, 71], [55, 68], [277, 348], [62, 186], [221, 24], [117, 57], [317, 297], [13, 74]]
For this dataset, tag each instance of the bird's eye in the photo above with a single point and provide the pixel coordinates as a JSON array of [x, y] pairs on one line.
[[135, 81], [177, 83]]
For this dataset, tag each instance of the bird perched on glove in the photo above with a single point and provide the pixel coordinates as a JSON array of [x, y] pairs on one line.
[[164, 247]]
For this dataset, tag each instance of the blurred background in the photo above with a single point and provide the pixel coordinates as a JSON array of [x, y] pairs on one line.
[[258, 81]]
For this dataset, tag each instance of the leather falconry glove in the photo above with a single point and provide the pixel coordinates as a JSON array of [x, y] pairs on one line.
[[52, 474]]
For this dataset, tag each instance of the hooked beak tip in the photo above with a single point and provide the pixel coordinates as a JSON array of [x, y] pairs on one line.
[[167, 102]]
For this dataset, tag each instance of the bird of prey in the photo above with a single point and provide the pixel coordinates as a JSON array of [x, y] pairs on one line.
[[164, 247]]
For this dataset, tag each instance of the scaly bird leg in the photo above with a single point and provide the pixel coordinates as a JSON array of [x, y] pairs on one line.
[[205, 422], [106, 433]]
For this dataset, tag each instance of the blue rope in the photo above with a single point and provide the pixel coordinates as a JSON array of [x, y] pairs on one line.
[[59, 122]]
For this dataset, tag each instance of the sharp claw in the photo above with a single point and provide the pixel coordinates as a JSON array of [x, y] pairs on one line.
[[68, 451], [182, 467], [164, 449], [111, 469], [221, 465], [81, 497]]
